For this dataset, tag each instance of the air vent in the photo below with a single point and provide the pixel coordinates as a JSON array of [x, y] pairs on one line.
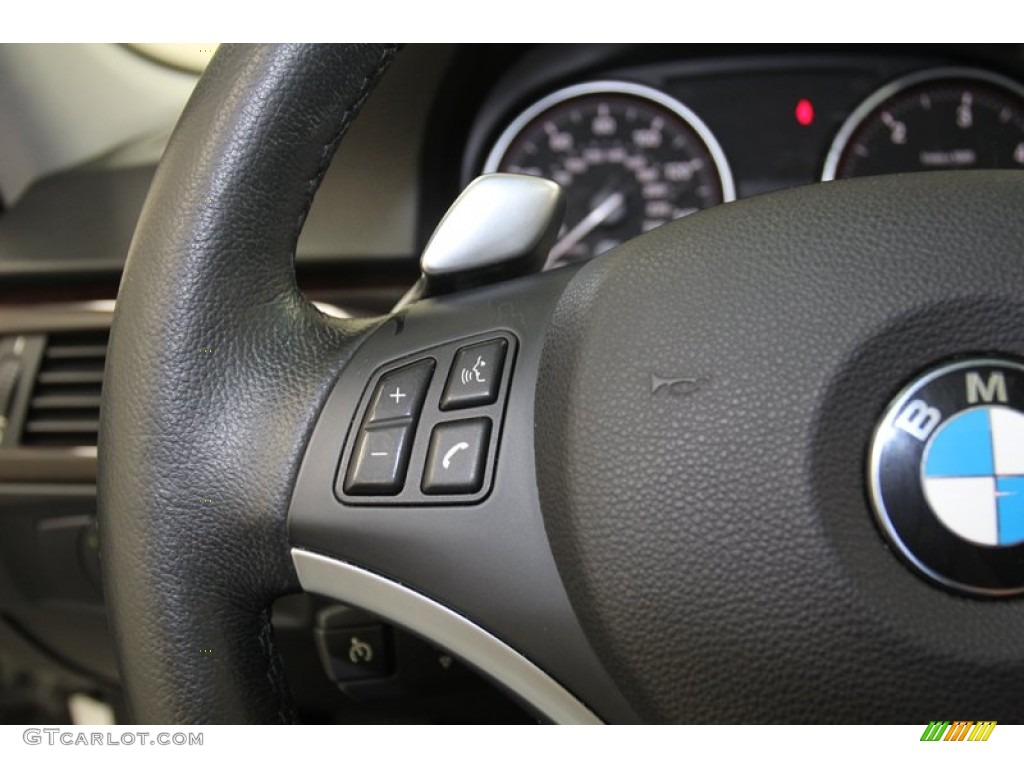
[[65, 405]]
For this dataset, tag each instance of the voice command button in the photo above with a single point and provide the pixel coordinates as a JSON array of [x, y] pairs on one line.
[[475, 376]]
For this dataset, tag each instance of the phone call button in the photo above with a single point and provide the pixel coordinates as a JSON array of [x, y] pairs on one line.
[[457, 457]]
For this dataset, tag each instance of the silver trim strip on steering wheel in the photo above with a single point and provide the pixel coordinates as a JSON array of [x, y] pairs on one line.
[[419, 614]]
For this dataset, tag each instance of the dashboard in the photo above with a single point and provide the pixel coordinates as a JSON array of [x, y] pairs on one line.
[[636, 135]]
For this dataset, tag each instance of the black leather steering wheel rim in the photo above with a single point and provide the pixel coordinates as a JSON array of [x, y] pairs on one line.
[[215, 354]]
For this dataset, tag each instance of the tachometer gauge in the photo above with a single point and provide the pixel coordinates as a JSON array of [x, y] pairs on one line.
[[941, 119], [630, 158]]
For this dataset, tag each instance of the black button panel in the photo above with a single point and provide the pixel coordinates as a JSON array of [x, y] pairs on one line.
[[457, 455], [427, 429], [475, 375]]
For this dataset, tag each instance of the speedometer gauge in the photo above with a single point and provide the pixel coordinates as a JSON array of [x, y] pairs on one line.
[[630, 158], [941, 119]]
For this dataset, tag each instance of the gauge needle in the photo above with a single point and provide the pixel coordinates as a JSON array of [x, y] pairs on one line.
[[604, 209]]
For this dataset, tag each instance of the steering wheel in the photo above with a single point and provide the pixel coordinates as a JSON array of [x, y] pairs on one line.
[[664, 511]]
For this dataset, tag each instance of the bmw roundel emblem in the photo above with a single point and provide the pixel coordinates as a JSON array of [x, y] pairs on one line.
[[947, 475]]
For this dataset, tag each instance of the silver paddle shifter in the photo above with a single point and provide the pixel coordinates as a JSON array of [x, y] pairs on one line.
[[502, 225]]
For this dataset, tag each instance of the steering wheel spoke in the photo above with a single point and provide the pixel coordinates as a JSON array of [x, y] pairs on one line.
[[450, 542]]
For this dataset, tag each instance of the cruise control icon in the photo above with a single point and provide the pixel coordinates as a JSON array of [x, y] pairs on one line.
[[360, 652]]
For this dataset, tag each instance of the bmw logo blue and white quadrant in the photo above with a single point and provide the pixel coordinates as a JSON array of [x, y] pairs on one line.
[[946, 475], [974, 475]]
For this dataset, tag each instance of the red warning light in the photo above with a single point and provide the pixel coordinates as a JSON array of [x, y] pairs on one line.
[[804, 112]]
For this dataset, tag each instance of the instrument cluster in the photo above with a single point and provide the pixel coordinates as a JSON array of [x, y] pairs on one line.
[[634, 148]]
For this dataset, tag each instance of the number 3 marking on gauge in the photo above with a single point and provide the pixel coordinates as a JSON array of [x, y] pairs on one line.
[[447, 460]]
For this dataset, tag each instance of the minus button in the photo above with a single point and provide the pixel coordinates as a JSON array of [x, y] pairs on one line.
[[379, 462]]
